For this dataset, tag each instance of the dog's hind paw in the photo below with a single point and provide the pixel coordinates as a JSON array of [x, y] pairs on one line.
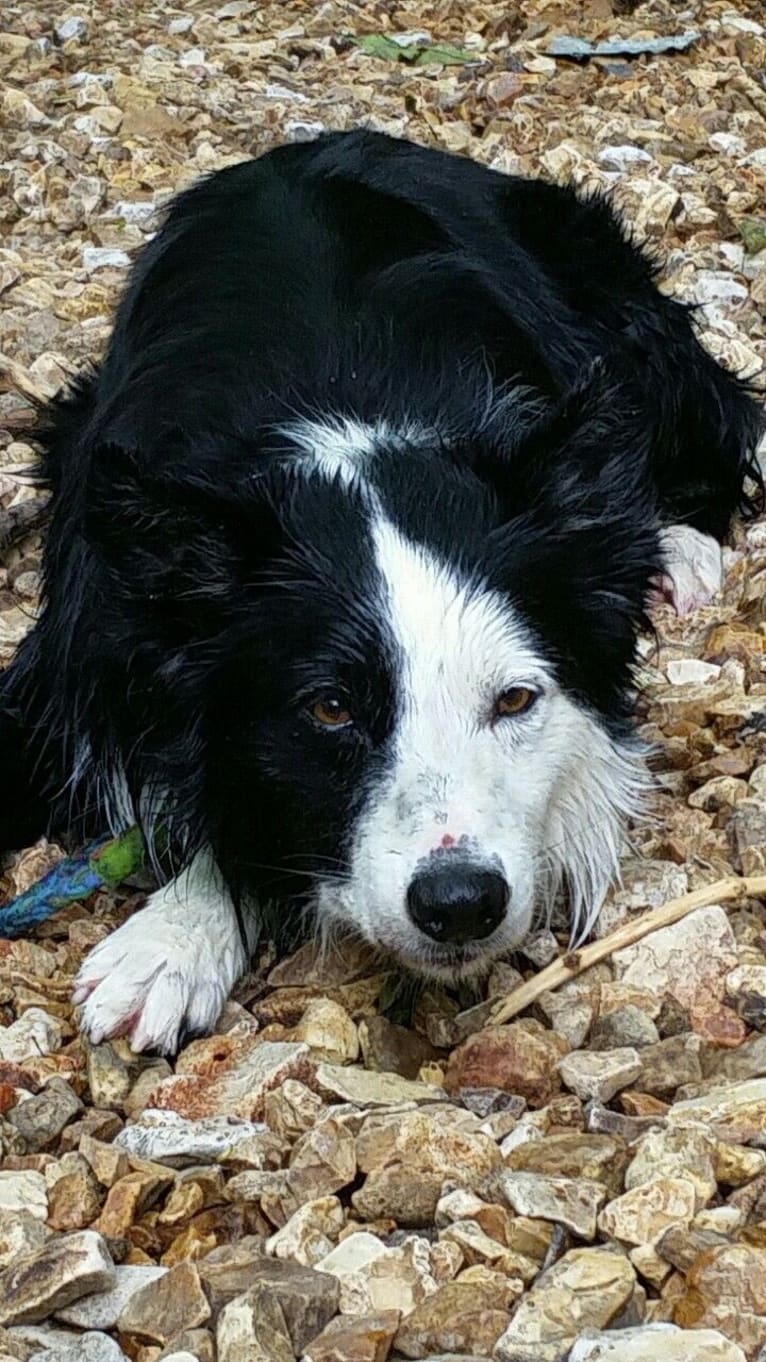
[[167, 972], [693, 568]]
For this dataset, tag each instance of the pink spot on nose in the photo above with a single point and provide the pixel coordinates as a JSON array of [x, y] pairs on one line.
[[447, 840]]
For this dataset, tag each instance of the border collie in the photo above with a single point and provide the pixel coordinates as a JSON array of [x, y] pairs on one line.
[[352, 533]]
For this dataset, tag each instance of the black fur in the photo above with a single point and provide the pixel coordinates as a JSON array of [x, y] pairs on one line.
[[198, 583]]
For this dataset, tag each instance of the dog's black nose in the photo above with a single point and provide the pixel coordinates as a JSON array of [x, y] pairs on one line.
[[456, 904]]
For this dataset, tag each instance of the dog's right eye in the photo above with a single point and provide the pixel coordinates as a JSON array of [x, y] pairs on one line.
[[331, 712]]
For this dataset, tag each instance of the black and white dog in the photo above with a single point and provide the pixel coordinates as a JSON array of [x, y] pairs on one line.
[[352, 534]]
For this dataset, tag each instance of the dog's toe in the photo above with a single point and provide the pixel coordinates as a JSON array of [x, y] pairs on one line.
[[693, 568], [150, 991]]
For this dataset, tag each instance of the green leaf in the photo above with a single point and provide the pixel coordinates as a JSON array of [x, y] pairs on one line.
[[753, 233], [416, 54]]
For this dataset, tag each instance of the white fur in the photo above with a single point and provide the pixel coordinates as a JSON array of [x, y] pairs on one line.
[[693, 568], [541, 796], [342, 448], [169, 968]]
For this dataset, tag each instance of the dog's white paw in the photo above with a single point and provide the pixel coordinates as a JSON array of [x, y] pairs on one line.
[[693, 568], [165, 972]]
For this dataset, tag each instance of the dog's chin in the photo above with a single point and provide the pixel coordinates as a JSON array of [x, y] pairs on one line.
[[448, 964]]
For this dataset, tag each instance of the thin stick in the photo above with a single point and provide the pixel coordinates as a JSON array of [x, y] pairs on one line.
[[731, 891]]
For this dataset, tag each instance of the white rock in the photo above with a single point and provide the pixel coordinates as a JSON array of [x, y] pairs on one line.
[[34, 1034], [24, 1190], [739, 21], [599, 1074], [102, 1310], [717, 286], [728, 143], [689, 670], [91, 1347], [100, 257], [623, 157], [656, 1343], [74, 27], [687, 961], [353, 1253], [165, 1137]]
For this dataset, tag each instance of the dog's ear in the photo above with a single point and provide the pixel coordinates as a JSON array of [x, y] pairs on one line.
[[581, 542], [178, 542]]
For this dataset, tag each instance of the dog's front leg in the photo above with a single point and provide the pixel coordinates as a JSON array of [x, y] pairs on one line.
[[693, 568], [166, 973]]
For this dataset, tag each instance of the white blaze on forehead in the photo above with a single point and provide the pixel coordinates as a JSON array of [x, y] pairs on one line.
[[459, 645], [340, 447]]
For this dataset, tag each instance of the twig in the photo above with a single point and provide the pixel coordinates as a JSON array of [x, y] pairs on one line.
[[731, 890]]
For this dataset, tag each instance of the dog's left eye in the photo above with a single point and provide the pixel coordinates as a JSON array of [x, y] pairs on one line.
[[516, 700], [331, 712]]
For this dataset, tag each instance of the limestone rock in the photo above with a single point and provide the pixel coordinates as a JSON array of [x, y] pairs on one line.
[[367, 1089], [41, 1119], [23, 1190], [656, 1343], [521, 1058], [599, 1075], [573, 1202], [51, 1277], [252, 1328], [384, 1279], [677, 1152], [642, 1215], [102, 1310], [599, 1158], [670, 1064], [407, 1158], [165, 1305], [308, 1298], [230, 1076], [736, 1112], [35, 1033], [90, 1347], [746, 991], [364, 1338], [74, 1194], [459, 1316], [726, 1290], [166, 1137], [21, 1232], [310, 1233], [625, 1026], [587, 1288], [688, 960], [326, 1026], [388, 1048]]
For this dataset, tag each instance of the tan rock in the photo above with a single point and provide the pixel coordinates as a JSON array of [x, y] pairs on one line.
[[252, 1328], [746, 991], [310, 1233], [165, 1306], [292, 1109], [586, 1289], [388, 1048], [322, 1162], [367, 1338], [688, 960], [327, 1027], [676, 1152], [459, 1316], [670, 1064], [642, 1215], [735, 1164], [521, 1058], [371, 1281], [573, 1202], [364, 1088], [128, 1198], [599, 1075], [75, 1196], [476, 1247], [407, 1159], [726, 1290], [736, 1112], [61, 1271], [599, 1158], [107, 1161], [308, 1298]]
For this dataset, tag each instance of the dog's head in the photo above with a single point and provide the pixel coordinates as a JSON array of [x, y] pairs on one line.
[[410, 667]]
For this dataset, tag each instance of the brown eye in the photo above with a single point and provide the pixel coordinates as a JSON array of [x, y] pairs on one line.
[[514, 701], [331, 712]]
